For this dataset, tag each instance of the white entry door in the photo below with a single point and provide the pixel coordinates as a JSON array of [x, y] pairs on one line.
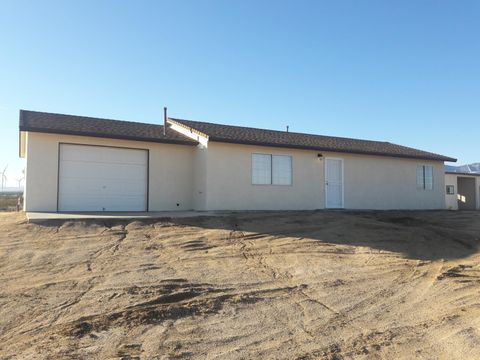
[[334, 183], [100, 178]]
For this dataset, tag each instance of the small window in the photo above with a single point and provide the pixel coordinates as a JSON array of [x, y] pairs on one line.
[[450, 190], [270, 169], [425, 177]]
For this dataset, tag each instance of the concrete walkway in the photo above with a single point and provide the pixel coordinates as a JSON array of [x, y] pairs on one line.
[[44, 216]]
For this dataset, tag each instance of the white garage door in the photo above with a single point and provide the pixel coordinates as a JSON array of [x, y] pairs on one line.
[[97, 178]]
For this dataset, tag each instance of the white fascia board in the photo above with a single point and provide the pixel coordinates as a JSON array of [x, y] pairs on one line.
[[189, 132]]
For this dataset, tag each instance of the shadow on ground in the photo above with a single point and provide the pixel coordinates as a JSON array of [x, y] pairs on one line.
[[418, 235]]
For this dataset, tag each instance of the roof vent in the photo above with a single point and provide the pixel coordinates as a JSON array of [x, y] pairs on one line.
[[288, 127]]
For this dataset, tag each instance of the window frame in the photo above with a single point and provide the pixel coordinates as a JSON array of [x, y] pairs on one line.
[[425, 186], [271, 169], [252, 169], [447, 187], [290, 170]]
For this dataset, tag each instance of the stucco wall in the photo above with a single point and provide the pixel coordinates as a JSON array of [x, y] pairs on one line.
[[376, 182], [371, 182], [219, 178], [170, 171], [451, 201], [229, 180], [199, 190]]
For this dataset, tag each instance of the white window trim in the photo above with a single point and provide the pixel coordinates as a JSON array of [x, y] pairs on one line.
[[450, 186], [291, 169], [251, 169], [424, 187]]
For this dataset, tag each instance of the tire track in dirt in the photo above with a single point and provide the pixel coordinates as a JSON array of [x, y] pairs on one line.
[[184, 301], [294, 285], [60, 310], [258, 261]]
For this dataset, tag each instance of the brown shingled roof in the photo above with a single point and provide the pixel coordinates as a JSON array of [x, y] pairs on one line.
[[35, 121], [96, 127], [253, 136]]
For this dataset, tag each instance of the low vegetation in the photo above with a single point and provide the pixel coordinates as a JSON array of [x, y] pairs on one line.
[[9, 201], [291, 285]]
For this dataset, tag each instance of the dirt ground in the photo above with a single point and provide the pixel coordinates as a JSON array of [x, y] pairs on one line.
[[290, 285]]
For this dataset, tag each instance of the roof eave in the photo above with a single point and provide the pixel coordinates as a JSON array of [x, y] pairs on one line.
[[461, 173], [317, 148], [106, 136]]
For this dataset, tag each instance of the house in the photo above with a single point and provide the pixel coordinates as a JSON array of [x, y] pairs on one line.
[[77, 163], [462, 190]]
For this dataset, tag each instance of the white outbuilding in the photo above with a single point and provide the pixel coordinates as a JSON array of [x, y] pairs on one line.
[[462, 191]]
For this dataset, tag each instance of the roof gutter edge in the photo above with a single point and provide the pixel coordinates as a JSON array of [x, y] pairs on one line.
[[306, 147], [119, 137], [461, 173]]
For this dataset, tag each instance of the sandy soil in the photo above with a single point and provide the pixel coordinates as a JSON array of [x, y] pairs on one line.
[[304, 285]]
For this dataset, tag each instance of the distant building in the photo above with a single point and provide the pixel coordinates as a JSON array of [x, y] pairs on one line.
[[462, 191]]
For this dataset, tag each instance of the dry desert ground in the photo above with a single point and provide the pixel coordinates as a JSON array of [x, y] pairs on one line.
[[287, 285]]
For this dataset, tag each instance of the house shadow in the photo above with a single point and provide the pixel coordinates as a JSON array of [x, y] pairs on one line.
[[416, 235]]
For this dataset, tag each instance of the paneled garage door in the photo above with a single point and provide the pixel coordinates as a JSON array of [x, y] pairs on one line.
[[99, 178]]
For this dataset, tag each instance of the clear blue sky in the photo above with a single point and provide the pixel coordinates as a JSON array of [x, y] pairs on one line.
[[401, 71]]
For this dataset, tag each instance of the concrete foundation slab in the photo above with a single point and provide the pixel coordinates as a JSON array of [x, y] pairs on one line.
[[45, 216]]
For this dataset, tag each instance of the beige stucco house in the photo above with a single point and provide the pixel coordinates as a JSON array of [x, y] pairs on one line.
[[462, 191], [77, 163]]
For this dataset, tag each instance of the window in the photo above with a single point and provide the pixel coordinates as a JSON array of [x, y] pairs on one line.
[[425, 177], [261, 169], [270, 169], [450, 189], [281, 170]]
